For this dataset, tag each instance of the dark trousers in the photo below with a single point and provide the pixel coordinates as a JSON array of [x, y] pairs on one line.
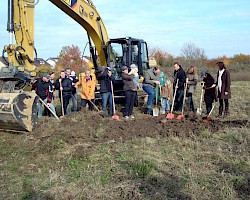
[[129, 102], [84, 102], [209, 107], [66, 99], [178, 100], [225, 101], [190, 101]]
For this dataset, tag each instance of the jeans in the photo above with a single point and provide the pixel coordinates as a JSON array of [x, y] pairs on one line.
[[84, 102], [190, 101], [209, 107], [129, 102], [107, 98], [165, 104], [40, 106], [178, 100], [151, 94], [73, 99]]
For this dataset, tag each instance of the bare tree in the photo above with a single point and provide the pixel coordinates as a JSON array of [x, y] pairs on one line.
[[193, 55]]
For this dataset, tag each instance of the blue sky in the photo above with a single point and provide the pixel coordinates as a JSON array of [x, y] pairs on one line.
[[219, 27]]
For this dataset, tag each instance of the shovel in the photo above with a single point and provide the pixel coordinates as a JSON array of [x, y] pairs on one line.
[[116, 117], [199, 110], [156, 109], [209, 115], [49, 108], [61, 94], [183, 102], [171, 115]]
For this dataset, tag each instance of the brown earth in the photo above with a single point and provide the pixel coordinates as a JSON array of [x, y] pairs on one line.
[[89, 127]]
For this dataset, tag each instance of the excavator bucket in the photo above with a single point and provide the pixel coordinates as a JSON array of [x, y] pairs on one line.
[[18, 111]]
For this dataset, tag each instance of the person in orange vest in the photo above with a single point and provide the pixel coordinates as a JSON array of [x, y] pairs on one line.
[[87, 91]]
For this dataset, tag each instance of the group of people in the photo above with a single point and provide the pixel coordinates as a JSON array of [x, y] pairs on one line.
[[155, 84], [152, 81]]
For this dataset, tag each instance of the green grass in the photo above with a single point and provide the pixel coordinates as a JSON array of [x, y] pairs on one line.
[[204, 166]]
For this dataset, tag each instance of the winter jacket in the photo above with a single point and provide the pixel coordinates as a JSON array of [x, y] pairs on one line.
[[128, 83], [210, 93], [226, 82], [87, 88], [67, 86], [104, 80], [150, 77], [43, 89], [73, 80], [166, 92], [192, 82], [181, 75]]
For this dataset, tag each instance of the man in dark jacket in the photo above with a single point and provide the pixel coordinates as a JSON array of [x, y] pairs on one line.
[[64, 85], [179, 74], [105, 78], [44, 89]]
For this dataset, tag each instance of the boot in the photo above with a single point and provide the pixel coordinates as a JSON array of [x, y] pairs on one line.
[[226, 112], [220, 112]]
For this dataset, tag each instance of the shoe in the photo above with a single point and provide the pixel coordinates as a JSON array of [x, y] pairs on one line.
[[126, 117], [103, 115], [131, 117]]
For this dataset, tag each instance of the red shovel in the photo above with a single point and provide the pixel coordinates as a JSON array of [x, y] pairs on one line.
[[171, 115], [116, 117], [209, 117]]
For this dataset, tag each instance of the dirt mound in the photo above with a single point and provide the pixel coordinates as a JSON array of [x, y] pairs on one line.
[[91, 127]]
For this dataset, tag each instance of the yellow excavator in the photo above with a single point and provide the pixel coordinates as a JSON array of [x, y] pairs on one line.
[[18, 106]]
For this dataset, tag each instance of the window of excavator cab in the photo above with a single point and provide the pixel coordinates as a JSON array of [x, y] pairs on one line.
[[117, 55], [134, 54], [144, 56]]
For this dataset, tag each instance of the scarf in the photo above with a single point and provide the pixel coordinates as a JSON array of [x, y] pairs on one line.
[[219, 79]]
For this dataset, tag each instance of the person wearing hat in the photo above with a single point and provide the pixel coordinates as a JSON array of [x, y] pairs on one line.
[[130, 89], [150, 81], [43, 88], [224, 91]]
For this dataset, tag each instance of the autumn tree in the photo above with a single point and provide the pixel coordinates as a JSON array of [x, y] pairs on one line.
[[193, 55], [162, 58], [70, 57]]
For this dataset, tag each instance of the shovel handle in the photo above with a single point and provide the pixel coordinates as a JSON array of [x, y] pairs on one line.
[[172, 107], [49, 109]]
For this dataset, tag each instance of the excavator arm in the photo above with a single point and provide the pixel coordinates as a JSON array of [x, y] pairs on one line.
[[17, 107]]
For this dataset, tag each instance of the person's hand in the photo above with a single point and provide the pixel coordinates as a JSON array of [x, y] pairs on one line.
[[176, 87], [71, 78], [76, 86], [186, 80], [214, 85], [109, 73], [48, 104], [226, 93], [61, 88], [60, 80], [157, 82]]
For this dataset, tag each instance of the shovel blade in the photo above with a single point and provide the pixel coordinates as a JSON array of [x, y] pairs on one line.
[[155, 112], [170, 116], [116, 117], [199, 111], [180, 117]]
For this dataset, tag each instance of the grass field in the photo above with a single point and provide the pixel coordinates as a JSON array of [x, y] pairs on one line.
[[209, 165]]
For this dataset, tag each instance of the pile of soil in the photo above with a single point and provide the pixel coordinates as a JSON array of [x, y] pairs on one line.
[[91, 127]]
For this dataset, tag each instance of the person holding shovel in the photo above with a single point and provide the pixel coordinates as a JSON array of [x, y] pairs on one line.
[[179, 74], [87, 91], [105, 78], [43, 88], [64, 84], [150, 82], [191, 85], [130, 89], [224, 91]]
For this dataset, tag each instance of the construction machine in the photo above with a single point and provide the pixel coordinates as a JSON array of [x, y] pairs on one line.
[[18, 106]]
